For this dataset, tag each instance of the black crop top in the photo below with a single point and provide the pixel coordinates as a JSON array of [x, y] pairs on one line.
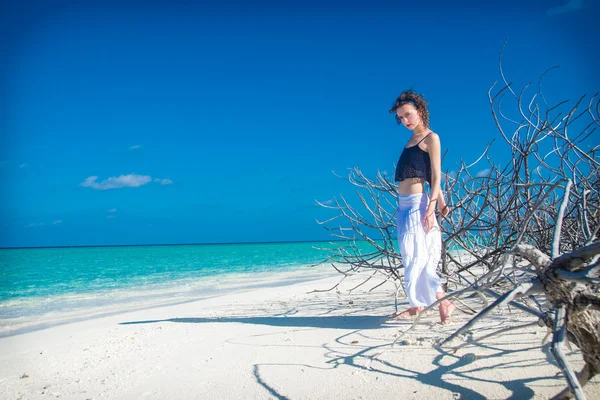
[[414, 163]]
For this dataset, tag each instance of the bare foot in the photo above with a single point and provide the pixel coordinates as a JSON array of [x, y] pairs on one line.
[[446, 309], [406, 314]]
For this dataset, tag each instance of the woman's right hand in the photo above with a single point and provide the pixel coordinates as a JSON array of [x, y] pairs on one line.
[[428, 220]]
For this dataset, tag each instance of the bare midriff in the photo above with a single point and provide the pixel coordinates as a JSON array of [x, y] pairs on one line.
[[411, 186]]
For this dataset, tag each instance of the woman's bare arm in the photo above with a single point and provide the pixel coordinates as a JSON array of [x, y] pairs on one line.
[[434, 150]]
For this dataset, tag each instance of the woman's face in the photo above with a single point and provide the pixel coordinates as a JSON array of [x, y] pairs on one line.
[[409, 116]]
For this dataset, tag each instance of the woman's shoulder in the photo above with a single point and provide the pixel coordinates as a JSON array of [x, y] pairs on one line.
[[433, 135], [432, 139]]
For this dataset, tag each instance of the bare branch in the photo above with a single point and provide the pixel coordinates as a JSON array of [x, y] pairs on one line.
[[560, 329]]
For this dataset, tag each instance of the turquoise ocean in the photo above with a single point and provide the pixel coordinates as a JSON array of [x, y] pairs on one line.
[[42, 281]]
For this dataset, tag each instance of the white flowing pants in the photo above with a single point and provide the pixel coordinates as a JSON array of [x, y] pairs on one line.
[[420, 252]]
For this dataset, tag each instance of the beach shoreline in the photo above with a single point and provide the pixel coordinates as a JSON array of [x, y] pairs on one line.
[[281, 341], [72, 308]]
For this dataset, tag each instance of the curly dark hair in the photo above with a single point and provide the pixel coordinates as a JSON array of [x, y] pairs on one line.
[[418, 100]]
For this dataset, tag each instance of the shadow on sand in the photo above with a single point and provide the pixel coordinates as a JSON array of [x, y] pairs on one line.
[[450, 371], [329, 322]]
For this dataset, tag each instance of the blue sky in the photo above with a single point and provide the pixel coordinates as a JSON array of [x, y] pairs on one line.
[[212, 122]]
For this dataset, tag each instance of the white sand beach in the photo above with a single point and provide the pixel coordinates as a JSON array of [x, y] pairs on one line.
[[282, 342]]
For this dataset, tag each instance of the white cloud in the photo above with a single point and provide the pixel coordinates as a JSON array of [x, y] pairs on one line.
[[110, 216], [35, 224], [165, 181], [116, 182], [569, 6], [483, 172], [137, 146], [327, 202], [57, 222], [112, 210], [22, 165]]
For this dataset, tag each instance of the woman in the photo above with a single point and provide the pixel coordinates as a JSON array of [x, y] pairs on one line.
[[419, 236]]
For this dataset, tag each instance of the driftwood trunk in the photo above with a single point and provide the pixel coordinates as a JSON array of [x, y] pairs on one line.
[[574, 289]]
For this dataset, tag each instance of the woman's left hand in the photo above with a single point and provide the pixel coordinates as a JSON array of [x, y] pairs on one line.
[[429, 219], [443, 209]]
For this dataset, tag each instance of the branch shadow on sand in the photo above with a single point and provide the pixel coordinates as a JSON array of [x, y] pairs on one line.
[[450, 370]]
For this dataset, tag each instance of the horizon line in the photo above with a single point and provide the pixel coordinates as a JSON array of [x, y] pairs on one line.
[[169, 244]]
